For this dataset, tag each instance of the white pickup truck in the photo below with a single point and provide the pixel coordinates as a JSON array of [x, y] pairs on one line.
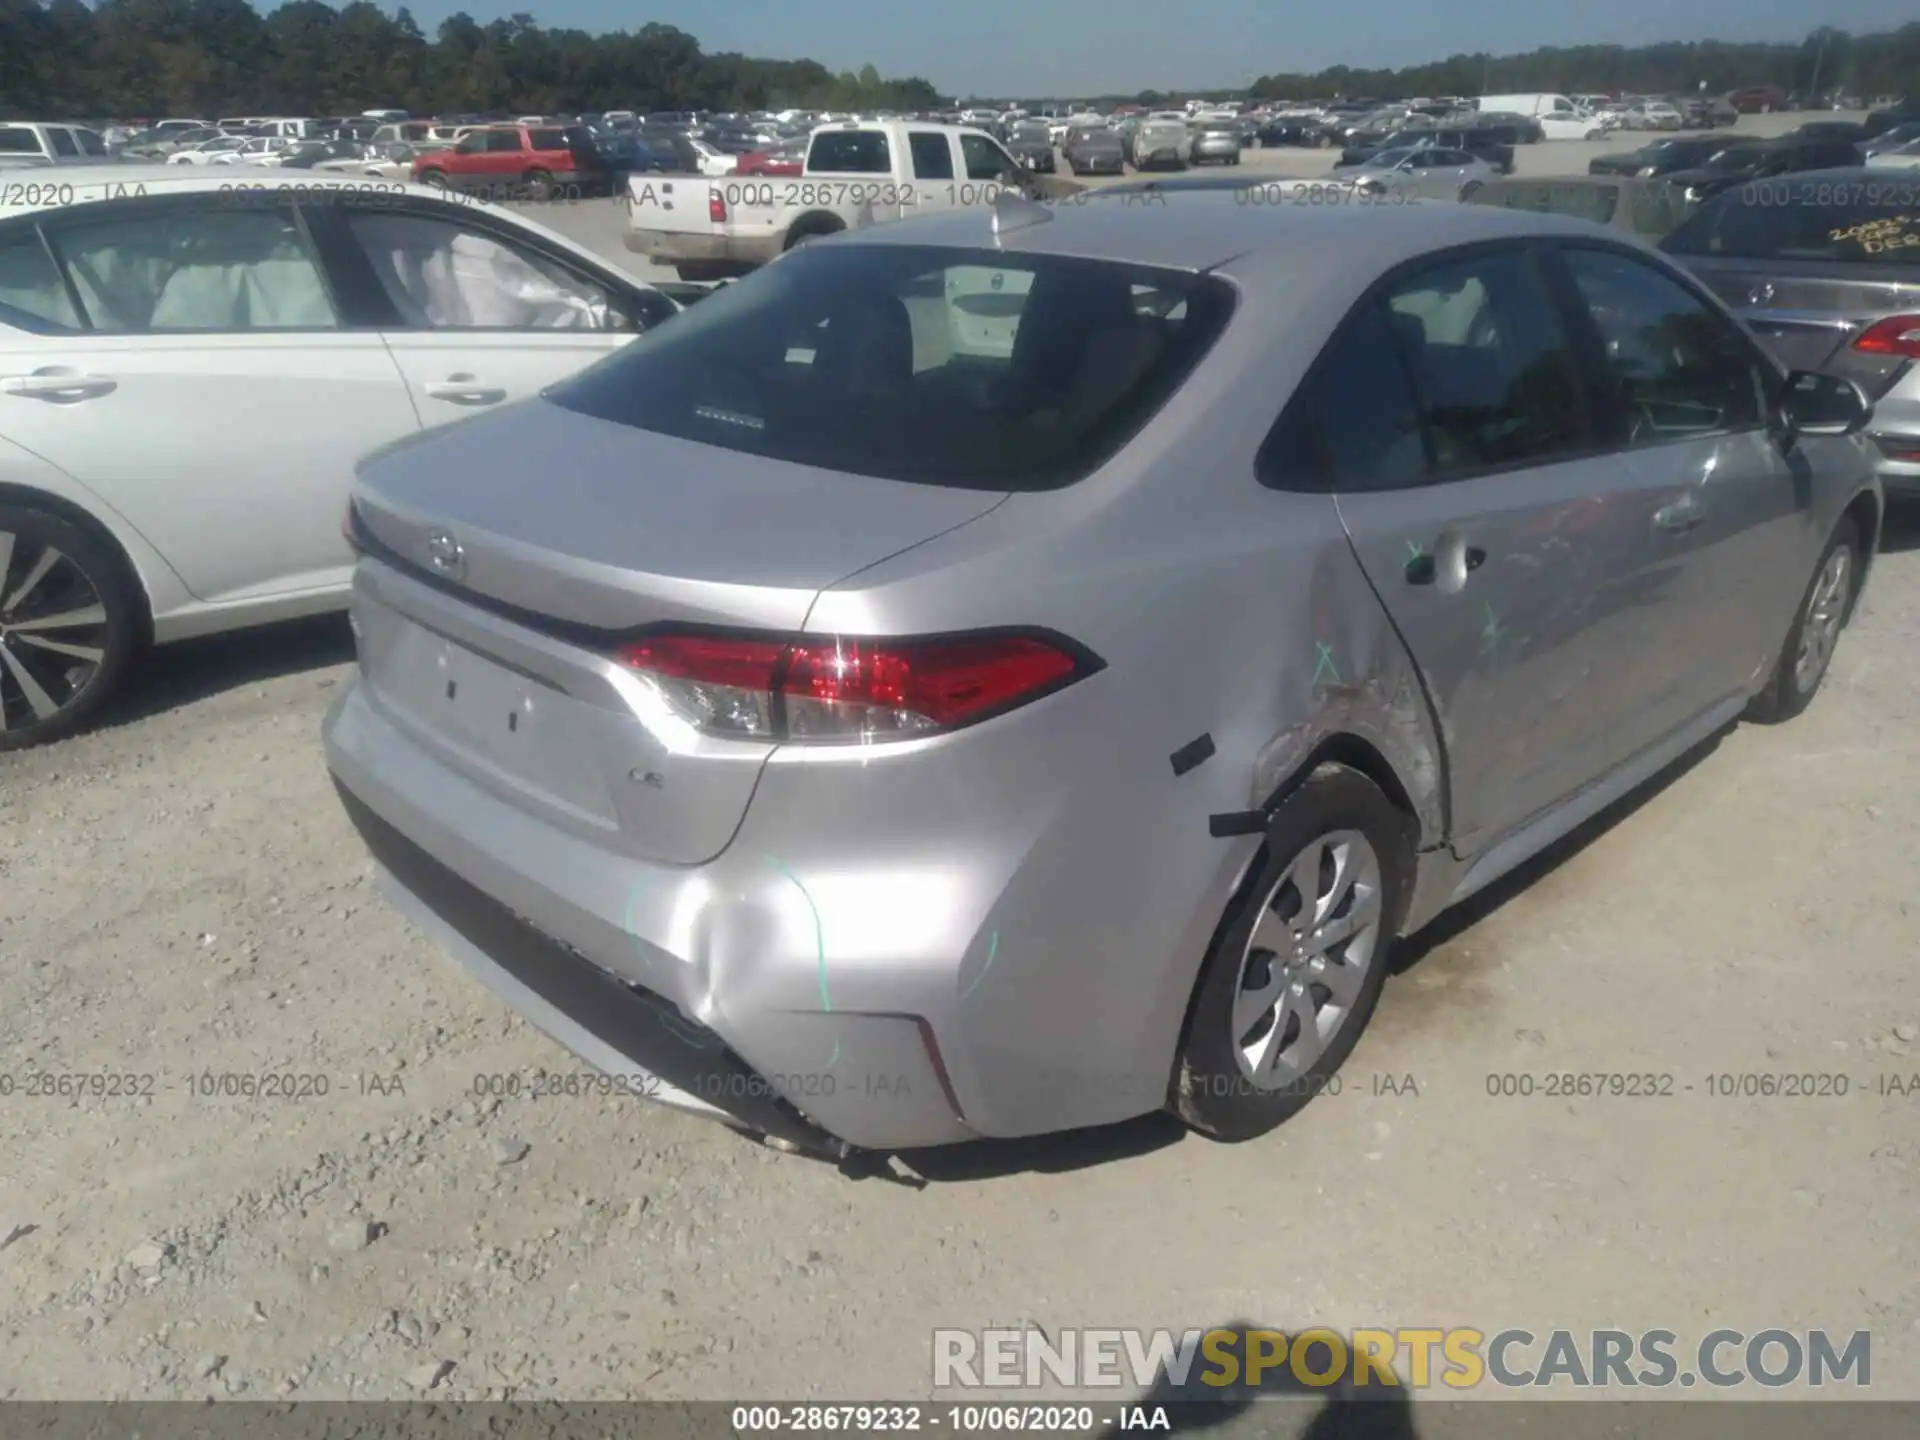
[[856, 174]]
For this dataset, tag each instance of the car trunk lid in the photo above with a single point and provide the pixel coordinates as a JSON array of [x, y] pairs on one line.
[[511, 555], [1809, 317]]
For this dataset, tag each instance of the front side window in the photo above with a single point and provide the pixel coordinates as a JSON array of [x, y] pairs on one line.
[[947, 367], [503, 142], [90, 142], [1676, 368], [442, 275], [1494, 370], [984, 159], [547, 139], [191, 268]]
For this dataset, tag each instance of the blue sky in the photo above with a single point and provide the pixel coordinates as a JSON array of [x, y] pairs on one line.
[[1045, 47]]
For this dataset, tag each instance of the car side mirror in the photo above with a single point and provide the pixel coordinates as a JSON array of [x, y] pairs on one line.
[[1814, 403]]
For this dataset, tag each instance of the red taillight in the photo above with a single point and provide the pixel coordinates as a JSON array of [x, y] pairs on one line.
[[716, 206], [1895, 335], [835, 688]]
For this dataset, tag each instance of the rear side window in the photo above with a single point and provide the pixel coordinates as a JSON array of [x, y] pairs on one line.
[[1354, 426], [63, 142], [18, 140], [1493, 369], [32, 296], [850, 152], [195, 269], [932, 156], [1869, 222], [966, 368]]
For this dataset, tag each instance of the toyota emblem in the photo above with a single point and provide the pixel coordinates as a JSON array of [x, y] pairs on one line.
[[448, 555]]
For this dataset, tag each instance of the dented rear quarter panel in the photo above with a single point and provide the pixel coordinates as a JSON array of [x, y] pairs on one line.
[[1220, 607]]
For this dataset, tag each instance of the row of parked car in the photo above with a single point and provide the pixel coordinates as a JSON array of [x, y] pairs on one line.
[[848, 571]]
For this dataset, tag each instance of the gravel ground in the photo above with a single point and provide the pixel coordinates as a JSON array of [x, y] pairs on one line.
[[181, 900]]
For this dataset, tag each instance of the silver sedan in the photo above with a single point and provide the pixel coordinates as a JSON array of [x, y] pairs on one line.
[[1422, 173], [1044, 691]]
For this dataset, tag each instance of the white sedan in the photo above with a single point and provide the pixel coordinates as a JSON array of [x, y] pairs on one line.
[[191, 362], [210, 152]]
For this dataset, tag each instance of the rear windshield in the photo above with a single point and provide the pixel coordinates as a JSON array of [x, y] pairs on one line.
[[966, 368], [1862, 222]]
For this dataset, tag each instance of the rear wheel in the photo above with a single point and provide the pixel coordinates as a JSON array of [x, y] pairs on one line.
[[1299, 961], [1823, 614], [69, 622], [1467, 190]]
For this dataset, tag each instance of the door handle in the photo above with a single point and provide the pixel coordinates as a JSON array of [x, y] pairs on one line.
[[62, 387], [1423, 569], [463, 390], [1680, 515]]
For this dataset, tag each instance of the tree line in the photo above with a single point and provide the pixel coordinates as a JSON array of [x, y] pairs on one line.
[[1828, 60], [152, 58]]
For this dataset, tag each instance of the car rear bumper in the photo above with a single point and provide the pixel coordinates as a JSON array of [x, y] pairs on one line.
[[674, 246]]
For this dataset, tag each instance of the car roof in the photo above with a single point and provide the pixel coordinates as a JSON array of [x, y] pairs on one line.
[[1206, 228], [57, 187]]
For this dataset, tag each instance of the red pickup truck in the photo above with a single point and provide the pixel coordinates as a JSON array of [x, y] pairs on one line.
[[517, 162]]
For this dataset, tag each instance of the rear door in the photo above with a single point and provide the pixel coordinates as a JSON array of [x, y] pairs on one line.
[[1486, 518], [475, 312], [194, 371], [1719, 508]]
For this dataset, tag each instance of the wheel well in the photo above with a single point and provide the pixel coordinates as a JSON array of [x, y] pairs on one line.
[[819, 223], [1866, 516], [1357, 755], [74, 515]]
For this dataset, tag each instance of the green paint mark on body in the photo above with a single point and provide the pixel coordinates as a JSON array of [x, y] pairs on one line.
[[1325, 672], [993, 948]]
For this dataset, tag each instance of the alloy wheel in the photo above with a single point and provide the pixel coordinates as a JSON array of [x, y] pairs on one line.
[[53, 631], [1826, 612], [1306, 959]]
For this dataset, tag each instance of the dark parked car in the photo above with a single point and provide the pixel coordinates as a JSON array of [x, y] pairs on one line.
[[1708, 114], [1647, 208], [1295, 130], [1031, 143], [1662, 156], [1738, 164], [1851, 131], [1825, 268], [1902, 113], [1094, 150]]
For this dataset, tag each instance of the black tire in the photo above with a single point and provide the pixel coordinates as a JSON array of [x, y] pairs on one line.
[[435, 178], [1469, 189], [1790, 688], [537, 185], [88, 573], [1211, 1089]]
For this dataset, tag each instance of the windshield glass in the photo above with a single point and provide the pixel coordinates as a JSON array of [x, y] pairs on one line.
[[1734, 159], [1877, 223], [1390, 158], [945, 367]]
